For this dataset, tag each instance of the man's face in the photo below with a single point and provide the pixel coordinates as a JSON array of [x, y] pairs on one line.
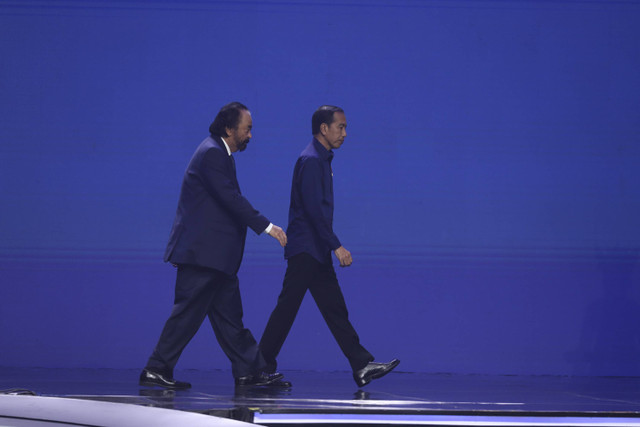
[[337, 131], [241, 135]]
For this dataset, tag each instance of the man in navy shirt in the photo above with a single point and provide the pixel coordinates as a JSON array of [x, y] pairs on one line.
[[310, 241]]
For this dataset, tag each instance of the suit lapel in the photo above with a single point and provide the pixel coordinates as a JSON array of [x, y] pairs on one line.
[[231, 161]]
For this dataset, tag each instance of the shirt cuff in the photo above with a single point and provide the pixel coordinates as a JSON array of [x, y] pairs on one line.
[[268, 229]]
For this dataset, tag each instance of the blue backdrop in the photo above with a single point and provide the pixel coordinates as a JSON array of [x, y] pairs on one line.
[[489, 188]]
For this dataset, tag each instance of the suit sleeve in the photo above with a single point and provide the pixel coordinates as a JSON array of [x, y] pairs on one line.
[[220, 183], [314, 203]]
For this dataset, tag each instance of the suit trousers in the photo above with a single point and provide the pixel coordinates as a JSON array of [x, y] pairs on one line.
[[202, 292], [305, 272]]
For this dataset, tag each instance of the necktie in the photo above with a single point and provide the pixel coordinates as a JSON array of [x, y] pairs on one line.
[[235, 176], [233, 164]]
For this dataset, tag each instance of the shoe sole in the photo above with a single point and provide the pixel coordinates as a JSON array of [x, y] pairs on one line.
[[365, 383], [152, 384]]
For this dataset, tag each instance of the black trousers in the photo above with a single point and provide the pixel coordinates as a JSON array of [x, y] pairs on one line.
[[305, 272], [202, 292]]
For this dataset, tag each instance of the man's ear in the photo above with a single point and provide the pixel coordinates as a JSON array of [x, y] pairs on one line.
[[324, 128], [228, 131]]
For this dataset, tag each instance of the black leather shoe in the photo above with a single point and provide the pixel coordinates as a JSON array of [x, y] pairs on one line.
[[262, 379], [149, 378], [372, 371], [279, 383]]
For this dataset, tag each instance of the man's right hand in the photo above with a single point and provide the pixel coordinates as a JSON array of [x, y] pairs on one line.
[[279, 234], [344, 256]]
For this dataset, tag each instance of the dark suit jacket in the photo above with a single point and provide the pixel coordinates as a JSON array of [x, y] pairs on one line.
[[211, 222]]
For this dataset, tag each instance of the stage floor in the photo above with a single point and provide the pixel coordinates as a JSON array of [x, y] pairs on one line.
[[333, 398]]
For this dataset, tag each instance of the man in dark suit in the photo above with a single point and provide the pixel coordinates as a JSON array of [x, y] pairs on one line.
[[206, 245], [310, 242]]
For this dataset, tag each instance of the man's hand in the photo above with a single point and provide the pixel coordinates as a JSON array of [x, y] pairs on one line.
[[344, 256], [279, 234]]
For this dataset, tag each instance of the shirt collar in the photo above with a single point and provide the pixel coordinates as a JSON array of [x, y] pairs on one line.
[[322, 152], [225, 145]]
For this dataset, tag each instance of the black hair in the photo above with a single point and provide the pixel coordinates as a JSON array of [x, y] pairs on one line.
[[324, 114], [228, 117]]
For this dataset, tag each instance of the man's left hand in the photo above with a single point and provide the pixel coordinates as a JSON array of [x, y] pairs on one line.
[[278, 234]]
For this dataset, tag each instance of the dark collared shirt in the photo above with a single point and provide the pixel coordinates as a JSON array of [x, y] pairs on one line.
[[310, 227]]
